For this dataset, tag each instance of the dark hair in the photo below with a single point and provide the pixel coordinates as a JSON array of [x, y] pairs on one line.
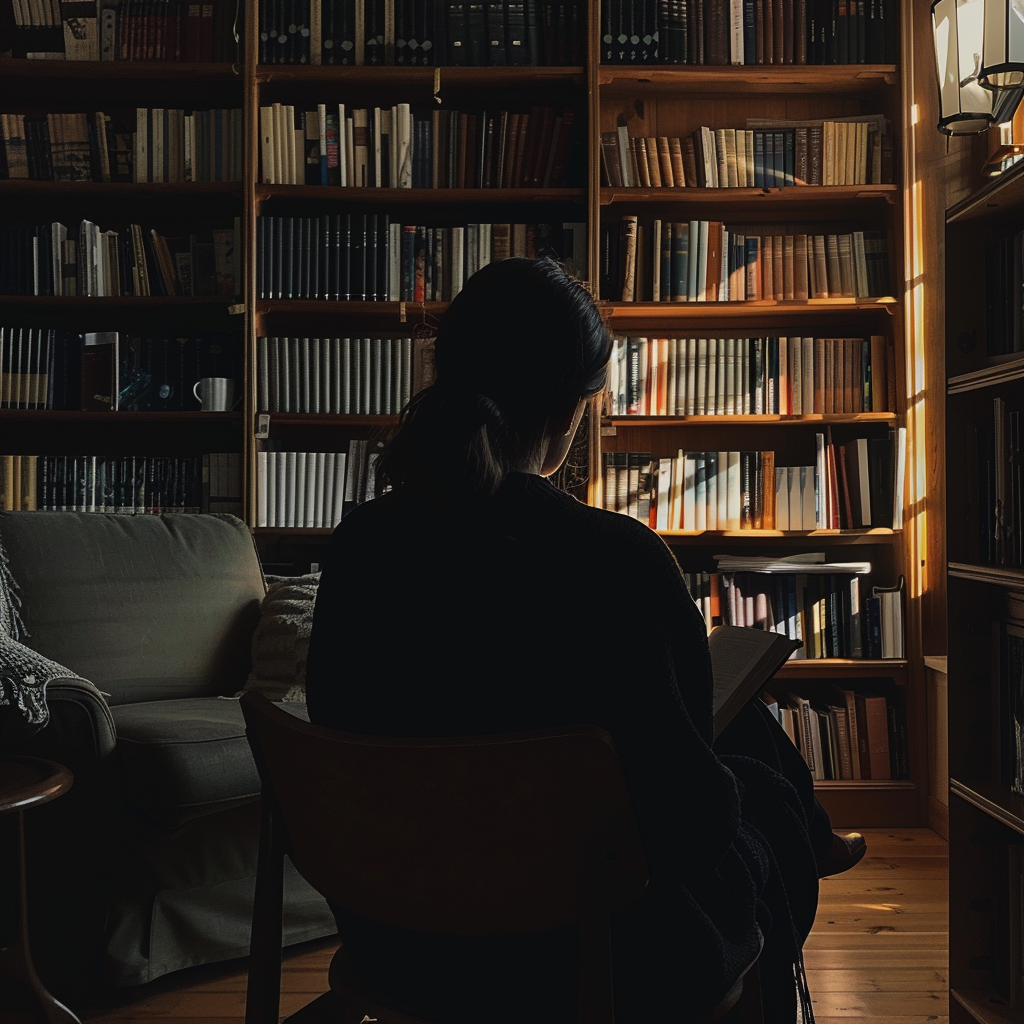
[[522, 341]]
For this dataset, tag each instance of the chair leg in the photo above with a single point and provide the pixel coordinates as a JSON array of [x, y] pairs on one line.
[[263, 988]]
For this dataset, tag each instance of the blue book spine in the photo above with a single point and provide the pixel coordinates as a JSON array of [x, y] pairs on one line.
[[759, 159], [679, 273], [866, 381], [772, 401], [779, 157], [667, 241], [789, 149]]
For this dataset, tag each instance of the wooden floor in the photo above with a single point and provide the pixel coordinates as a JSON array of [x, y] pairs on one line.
[[878, 951]]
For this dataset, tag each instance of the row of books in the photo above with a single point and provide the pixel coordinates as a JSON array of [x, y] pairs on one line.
[[1004, 295], [396, 147], [45, 368], [748, 32], [831, 607], [160, 145], [777, 154], [846, 734], [849, 486], [785, 376], [129, 484], [452, 33], [338, 376], [707, 261], [367, 257], [314, 490], [149, 30], [53, 259], [1001, 487]]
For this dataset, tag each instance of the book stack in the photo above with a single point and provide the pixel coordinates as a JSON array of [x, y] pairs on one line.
[[52, 259], [774, 154], [785, 376], [846, 734], [1000, 523], [368, 257], [852, 486], [1004, 283], [337, 376], [830, 606], [313, 490], [159, 145], [130, 484], [707, 261], [452, 33], [397, 147], [137, 30], [748, 32]]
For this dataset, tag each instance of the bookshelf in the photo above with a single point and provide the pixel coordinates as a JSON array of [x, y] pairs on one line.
[[985, 586], [652, 100]]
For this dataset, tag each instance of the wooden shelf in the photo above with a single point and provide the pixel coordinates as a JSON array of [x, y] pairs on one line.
[[759, 200], [292, 531], [433, 196], [779, 421], [999, 372], [126, 302], [985, 1006], [842, 785], [994, 575], [623, 314], [815, 666], [424, 78], [313, 419], [128, 70], [401, 312], [992, 200], [999, 804], [122, 191], [703, 80], [117, 420], [875, 533]]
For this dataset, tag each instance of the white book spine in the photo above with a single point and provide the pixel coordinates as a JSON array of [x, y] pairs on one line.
[[689, 491], [733, 491], [309, 504], [261, 489], [327, 511], [722, 490]]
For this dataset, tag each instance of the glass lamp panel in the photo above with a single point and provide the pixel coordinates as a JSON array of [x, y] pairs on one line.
[[1002, 63]]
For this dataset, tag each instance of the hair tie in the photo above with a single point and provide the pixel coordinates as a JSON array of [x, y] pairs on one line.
[[489, 412]]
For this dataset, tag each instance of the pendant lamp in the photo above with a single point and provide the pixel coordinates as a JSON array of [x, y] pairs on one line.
[[1002, 58], [966, 106]]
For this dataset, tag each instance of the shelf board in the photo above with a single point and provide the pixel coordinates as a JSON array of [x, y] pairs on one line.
[[427, 78], [703, 79], [404, 196], [377, 310], [121, 191], [999, 804], [992, 200], [312, 419], [814, 666], [811, 535], [995, 575], [869, 784], [292, 531], [71, 302], [998, 373], [620, 313], [781, 421], [756, 198], [115, 419], [85, 70], [985, 1006]]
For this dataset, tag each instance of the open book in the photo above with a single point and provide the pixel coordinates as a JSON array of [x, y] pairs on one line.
[[742, 662]]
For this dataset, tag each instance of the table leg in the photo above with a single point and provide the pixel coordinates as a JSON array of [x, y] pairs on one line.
[[16, 966]]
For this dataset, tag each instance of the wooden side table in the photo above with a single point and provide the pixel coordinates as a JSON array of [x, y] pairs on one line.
[[25, 782]]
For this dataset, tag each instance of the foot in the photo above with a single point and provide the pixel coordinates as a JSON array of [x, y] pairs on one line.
[[846, 851]]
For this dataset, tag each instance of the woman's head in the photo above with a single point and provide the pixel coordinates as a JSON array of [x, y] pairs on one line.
[[515, 352]]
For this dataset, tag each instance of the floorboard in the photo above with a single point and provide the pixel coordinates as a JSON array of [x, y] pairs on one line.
[[878, 951]]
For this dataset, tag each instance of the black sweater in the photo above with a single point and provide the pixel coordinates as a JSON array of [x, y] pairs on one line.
[[535, 611]]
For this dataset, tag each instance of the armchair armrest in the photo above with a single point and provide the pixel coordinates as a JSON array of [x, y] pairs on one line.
[[80, 733]]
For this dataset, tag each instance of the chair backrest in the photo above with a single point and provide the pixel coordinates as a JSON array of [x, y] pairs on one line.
[[479, 835]]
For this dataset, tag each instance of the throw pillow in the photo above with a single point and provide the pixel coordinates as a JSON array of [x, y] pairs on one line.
[[281, 640]]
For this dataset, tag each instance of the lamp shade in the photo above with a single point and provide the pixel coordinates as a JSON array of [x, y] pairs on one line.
[[966, 106], [1002, 58]]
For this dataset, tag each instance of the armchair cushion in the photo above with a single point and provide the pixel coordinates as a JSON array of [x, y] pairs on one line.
[[182, 759]]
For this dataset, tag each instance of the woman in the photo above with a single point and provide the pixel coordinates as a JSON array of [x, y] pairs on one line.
[[475, 597]]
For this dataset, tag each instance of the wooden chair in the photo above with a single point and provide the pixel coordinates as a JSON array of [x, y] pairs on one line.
[[404, 832]]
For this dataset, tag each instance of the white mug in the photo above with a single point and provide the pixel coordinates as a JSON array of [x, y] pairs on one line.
[[215, 394]]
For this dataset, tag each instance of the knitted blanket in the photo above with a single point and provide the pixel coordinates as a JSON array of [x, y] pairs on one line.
[[24, 673]]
